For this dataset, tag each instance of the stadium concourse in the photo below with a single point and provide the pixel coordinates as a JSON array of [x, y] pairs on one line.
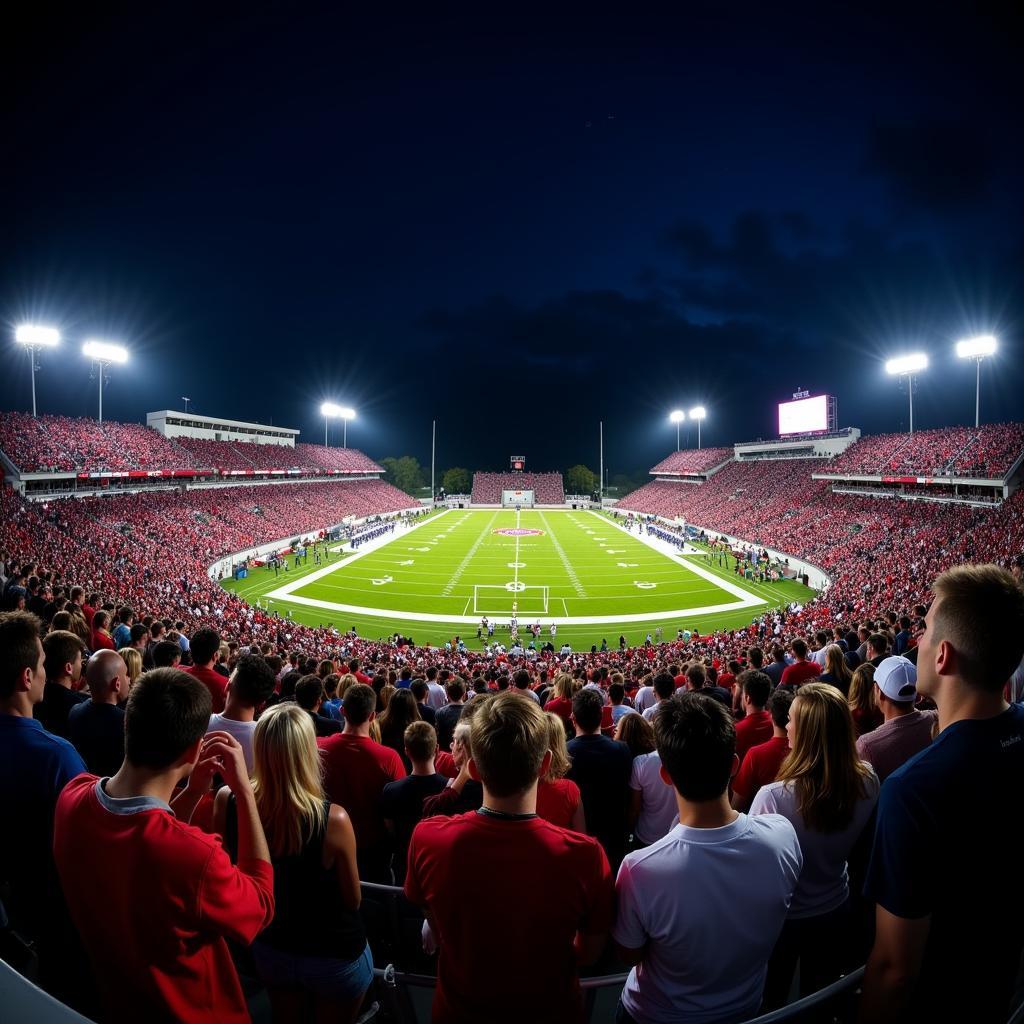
[[122, 579]]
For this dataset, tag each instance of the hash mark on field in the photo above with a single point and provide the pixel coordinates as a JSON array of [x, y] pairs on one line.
[[461, 567], [570, 571]]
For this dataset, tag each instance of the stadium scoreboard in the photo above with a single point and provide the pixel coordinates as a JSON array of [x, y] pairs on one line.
[[807, 414], [517, 463]]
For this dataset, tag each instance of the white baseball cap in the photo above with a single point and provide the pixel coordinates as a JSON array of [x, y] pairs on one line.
[[896, 677]]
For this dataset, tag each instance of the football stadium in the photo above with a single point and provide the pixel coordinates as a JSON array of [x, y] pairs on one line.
[[583, 578]]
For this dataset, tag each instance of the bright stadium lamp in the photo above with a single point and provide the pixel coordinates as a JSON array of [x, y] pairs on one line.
[[698, 412], [908, 366], [103, 354], [35, 338], [677, 416], [331, 411], [977, 349]]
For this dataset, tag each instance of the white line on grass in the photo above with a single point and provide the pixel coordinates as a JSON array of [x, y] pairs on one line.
[[570, 571], [462, 566]]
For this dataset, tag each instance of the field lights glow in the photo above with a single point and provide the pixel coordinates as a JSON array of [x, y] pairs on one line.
[[906, 364], [104, 352]]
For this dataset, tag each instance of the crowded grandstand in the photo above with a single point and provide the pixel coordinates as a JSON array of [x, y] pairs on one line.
[[333, 793]]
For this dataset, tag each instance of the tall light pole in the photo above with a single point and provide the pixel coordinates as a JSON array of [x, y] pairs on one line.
[[330, 411], [698, 413], [103, 354], [909, 367], [677, 416], [977, 349], [34, 339]]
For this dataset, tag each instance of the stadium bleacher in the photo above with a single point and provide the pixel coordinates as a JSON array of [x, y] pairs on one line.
[[547, 487], [692, 461]]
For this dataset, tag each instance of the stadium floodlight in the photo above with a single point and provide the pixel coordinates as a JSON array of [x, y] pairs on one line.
[[698, 412], [977, 349], [908, 366], [34, 338], [331, 411], [677, 416], [103, 354]]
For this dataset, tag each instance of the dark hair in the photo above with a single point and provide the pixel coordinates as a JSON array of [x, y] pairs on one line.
[[60, 647], [252, 681], [755, 657], [778, 706], [756, 685], [587, 708], [637, 733], [616, 693], [165, 652], [19, 632], [308, 690], [455, 688], [695, 676], [879, 642], [521, 680], [418, 688], [799, 648], [139, 630], [402, 711], [664, 685], [168, 711], [360, 702], [696, 742], [205, 644]]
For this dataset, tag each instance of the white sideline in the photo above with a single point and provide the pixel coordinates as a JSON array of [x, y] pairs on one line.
[[747, 600]]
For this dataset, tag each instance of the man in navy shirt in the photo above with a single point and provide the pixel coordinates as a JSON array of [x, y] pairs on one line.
[[34, 766], [601, 768], [96, 726], [949, 926]]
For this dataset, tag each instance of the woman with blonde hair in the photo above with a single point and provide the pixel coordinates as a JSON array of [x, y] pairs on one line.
[[558, 798], [133, 660], [560, 699], [866, 716], [837, 672], [313, 957], [828, 794]]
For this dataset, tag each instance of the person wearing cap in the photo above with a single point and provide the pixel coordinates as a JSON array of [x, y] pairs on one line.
[[905, 731]]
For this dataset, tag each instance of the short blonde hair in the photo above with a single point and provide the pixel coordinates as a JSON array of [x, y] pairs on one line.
[[561, 762], [509, 738]]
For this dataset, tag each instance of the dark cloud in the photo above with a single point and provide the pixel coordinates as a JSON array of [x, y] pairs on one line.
[[940, 164]]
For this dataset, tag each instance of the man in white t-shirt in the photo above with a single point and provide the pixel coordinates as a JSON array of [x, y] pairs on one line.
[[701, 908], [664, 688], [652, 804], [249, 687]]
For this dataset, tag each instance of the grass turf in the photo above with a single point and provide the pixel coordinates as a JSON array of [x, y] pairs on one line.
[[456, 564]]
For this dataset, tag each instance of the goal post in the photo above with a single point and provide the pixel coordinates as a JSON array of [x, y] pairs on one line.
[[496, 599]]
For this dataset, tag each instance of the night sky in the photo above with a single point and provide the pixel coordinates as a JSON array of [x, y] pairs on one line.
[[518, 226]]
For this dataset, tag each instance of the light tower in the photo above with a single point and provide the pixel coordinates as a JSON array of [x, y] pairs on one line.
[[909, 367], [103, 354], [35, 339], [698, 413], [977, 349], [677, 416]]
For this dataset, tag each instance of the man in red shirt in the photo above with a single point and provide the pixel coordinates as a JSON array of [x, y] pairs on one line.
[[154, 899], [762, 763], [205, 645], [356, 770], [564, 901], [756, 725], [801, 670]]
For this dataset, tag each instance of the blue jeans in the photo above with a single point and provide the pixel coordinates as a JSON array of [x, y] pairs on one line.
[[322, 976]]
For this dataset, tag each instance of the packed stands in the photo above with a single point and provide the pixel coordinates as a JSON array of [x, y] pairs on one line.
[[692, 461], [989, 451], [547, 487], [60, 444]]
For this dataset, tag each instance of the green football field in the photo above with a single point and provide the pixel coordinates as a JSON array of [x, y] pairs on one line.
[[578, 570]]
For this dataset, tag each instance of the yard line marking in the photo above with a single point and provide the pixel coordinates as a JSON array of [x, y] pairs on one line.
[[570, 571], [462, 566]]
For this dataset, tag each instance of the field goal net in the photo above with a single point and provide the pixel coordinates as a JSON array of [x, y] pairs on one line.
[[517, 499], [496, 599]]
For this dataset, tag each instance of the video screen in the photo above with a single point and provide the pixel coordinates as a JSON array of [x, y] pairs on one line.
[[806, 416]]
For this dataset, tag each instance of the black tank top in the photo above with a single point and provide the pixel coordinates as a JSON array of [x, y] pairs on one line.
[[310, 918]]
